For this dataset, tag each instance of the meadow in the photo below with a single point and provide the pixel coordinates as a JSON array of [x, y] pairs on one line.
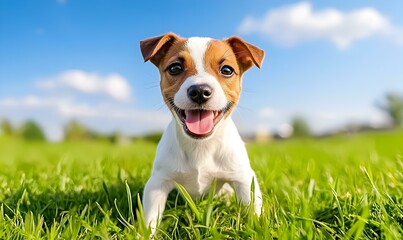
[[348, 186]]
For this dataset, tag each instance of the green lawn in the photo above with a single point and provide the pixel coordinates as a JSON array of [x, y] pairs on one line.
[[340, 187]]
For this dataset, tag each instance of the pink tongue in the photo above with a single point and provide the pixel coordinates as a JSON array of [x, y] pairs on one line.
[[199, 122]]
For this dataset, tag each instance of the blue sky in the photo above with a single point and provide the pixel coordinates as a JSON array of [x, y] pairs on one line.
[[329, 61]]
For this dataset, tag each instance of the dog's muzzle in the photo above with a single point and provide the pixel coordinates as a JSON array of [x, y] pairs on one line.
[[199, 120]]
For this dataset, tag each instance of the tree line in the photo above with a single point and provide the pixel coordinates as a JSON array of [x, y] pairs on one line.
[[73, 130]]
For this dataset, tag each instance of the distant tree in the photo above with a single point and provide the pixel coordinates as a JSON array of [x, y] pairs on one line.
[[6, 128], [115, 137], [394, 108], [300, 127], [76, 131], [153, 137], [31, 131]]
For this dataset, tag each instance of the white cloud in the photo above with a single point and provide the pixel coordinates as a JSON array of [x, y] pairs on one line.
[[117, 87], [296, 23], [31, 101], [322, 119], [69, 108], [112, 85], [266, 112], [63, 106]]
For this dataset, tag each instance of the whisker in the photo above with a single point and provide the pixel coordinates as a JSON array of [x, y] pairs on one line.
[[159, 107], [248, 90], [152, 85], [239, 113], [244, 108]]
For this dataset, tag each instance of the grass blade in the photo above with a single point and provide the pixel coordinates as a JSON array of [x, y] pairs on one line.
[[129, 202], [189, 201], [209, 208]]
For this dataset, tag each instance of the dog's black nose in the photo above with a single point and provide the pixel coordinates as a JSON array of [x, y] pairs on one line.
[[200, 93]]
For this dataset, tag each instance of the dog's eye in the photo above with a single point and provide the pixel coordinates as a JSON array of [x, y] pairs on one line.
[[175, 68], [227, 71]]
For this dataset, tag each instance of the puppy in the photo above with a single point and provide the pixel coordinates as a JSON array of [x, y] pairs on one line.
[[201, 84]]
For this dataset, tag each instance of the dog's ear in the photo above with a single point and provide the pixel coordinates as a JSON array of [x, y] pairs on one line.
[[153, 49], [246, 53]]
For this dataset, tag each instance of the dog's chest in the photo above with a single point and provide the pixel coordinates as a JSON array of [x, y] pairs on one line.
[[197, 179], [196, 173], [196, 164]]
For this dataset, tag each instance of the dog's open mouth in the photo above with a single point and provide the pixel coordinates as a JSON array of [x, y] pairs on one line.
[[200, 123]]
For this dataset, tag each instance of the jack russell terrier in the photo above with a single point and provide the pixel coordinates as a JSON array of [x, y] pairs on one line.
[[201, 84]]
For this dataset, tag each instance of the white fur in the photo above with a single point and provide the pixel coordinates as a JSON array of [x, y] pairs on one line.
[[217, 102], [197, 47], [196, 163]]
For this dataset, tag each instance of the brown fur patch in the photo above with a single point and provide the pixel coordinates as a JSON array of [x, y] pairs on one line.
[[218, 54], [171, 84]]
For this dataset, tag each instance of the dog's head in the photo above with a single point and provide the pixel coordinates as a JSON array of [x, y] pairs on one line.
[[200, 77]]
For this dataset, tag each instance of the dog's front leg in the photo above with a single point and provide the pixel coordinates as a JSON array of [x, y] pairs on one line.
[[243, 191], [154, 198]]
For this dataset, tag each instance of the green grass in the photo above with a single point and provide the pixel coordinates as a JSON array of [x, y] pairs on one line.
[[340, 187]]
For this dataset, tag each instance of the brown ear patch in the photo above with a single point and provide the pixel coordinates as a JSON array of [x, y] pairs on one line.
[[246, 53], [154, 49]]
